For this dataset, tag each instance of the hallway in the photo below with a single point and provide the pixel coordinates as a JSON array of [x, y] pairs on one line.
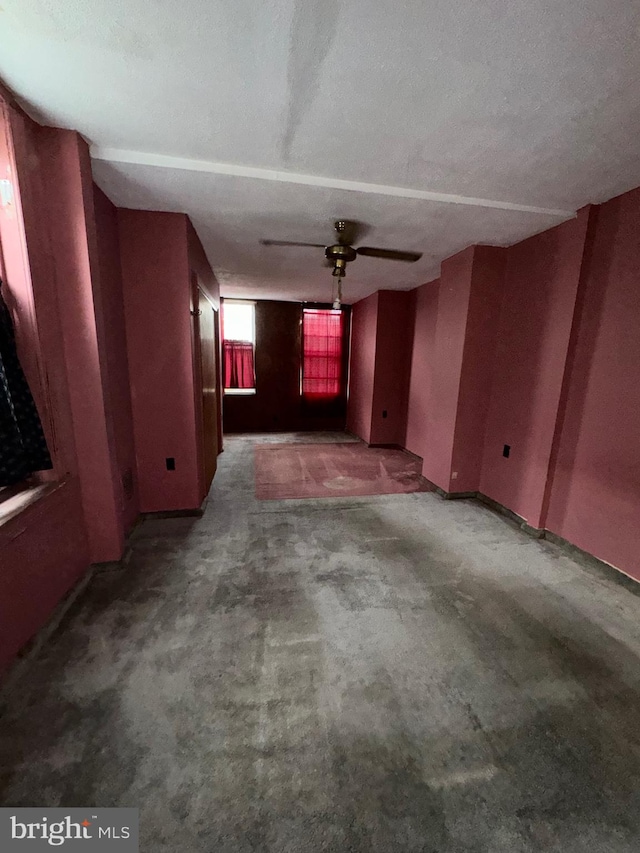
[[385, 673]]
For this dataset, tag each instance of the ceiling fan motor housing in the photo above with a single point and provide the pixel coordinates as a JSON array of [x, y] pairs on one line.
[[339, 256]]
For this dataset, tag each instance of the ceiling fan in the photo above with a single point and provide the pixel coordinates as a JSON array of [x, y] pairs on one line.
[[342, 252]]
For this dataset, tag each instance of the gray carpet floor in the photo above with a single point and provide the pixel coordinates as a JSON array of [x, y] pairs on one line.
[[389, 673]]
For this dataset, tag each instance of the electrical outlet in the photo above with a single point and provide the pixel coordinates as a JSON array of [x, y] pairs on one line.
[[506, 451], [171, 463], [384, 413], [454, 475]]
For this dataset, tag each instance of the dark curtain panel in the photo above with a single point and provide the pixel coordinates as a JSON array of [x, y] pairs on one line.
[[322, 373], [23, 448], [239, 371]]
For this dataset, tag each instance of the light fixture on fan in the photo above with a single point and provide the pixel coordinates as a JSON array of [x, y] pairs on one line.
[[337, 302]]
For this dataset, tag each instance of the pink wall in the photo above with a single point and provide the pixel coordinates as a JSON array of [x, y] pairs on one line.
[[364, 324], [534, 346], [421, 368], [65, 288], [43, 553], [451, 324], [44, 549], [79, 293], [540, 291], [381, 329], [119, 397], [200, 265], [483, 312], [595, 497], [392, 366], [157, 300]]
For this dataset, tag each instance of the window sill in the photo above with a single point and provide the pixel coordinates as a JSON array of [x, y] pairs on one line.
[[16, 503], [239, 392]]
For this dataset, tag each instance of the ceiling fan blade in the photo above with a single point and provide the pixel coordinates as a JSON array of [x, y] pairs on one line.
[[291, 243], [389, 254]]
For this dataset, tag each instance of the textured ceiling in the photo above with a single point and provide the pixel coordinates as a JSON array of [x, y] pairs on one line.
[[261, 110]]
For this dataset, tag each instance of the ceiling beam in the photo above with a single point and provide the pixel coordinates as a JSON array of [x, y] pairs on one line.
[[163, 161]]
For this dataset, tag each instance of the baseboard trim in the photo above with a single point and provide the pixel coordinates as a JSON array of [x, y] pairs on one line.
[[604, 569], [585, 559], [177, 513], [458, 496], [19, 667], [173, 513], [534, 532], [446, 496], [412, 455], [523, 524], [113, 565]]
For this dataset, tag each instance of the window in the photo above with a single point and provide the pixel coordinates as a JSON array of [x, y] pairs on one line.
[[25, 461], [23, 450], [238, 346], [322, 356]]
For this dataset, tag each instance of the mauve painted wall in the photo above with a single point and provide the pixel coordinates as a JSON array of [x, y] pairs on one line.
[[43, 553], [392, 366], [595, 499], [551, 368], [541, 283], [119, 397], [200, 265], [44, 549], [157, 301], [364, 325], [79, 295], [421, 369], [451, 324], [483, 313]]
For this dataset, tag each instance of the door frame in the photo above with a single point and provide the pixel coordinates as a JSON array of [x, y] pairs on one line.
[[196, 290]]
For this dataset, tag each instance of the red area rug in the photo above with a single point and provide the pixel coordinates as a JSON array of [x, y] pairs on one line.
[[334, 470]]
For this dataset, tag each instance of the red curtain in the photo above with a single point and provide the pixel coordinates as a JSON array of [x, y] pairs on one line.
[[322, 352], [238, 364]]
